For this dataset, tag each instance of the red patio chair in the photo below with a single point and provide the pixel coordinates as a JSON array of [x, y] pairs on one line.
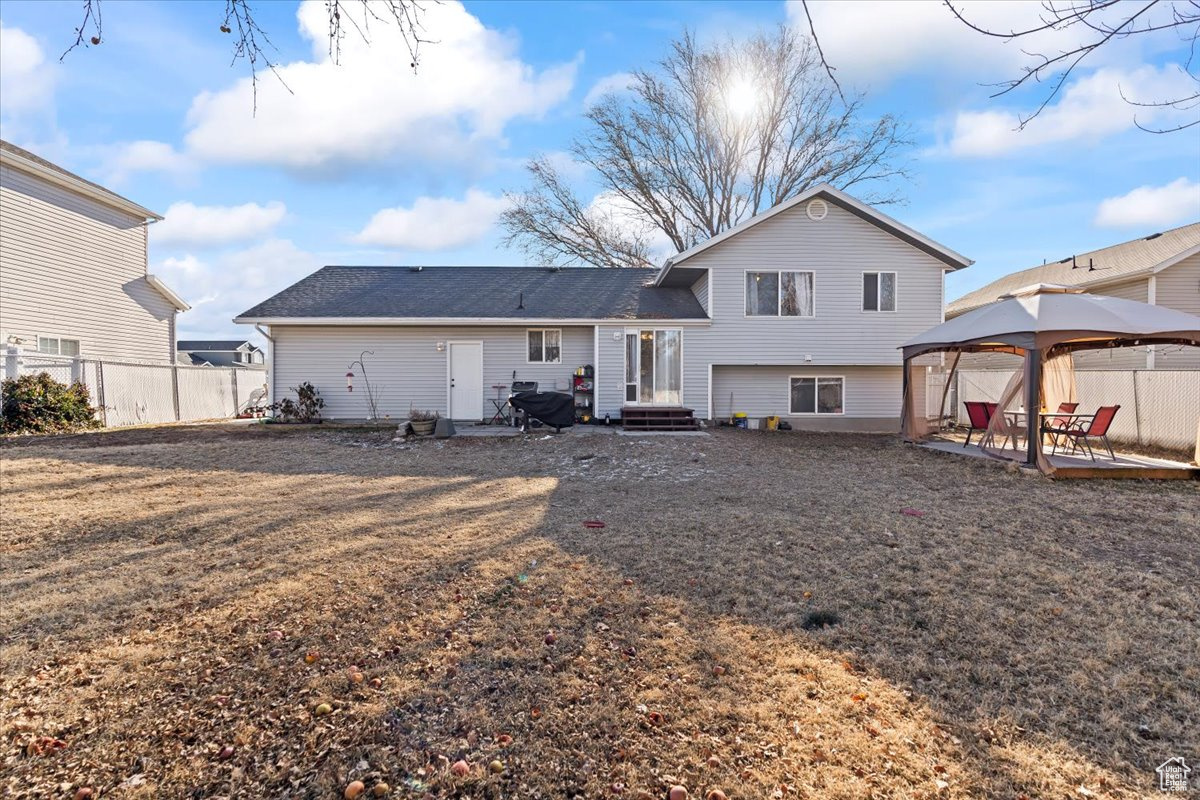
[[1054, 426], [1096, 429], [978, 416]]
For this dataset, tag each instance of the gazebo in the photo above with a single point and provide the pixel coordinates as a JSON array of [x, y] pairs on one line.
[[1044, 324]]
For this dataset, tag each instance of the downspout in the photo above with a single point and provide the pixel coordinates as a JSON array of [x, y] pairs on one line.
[[266, 334]]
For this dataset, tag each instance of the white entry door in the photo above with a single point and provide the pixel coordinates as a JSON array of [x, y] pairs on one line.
[[466, 380]]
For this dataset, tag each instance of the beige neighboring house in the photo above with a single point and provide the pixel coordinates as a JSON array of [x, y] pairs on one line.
[[74, 277], [1161, 269]]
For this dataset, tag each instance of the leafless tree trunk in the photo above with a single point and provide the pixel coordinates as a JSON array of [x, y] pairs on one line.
[[709, 137], [253, 45]]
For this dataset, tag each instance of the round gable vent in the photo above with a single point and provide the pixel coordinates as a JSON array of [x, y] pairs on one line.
[[817, 210]]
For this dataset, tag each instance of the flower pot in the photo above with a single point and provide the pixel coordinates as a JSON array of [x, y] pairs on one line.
[[422, 427]]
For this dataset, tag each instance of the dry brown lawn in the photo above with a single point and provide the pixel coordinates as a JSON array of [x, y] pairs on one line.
[[160, 591]]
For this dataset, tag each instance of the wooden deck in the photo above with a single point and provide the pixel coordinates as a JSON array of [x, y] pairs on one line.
[[1125, 466], [656, 418]]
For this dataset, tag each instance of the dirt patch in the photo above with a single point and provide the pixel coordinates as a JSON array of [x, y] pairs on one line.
[[276, 612]]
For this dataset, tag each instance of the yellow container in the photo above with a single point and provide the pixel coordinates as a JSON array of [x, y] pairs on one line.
[[772, 423], [739, 415]]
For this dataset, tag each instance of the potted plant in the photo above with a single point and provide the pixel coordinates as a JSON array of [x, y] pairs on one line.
[[422, 422]]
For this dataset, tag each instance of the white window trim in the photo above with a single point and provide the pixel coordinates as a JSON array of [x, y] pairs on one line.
[[625, 362], [896, 285], [779, 295], [58, 338], [543, 330], [816, 386]]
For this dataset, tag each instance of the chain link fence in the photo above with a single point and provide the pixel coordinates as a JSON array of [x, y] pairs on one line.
[[1159, 408], [133, 393]]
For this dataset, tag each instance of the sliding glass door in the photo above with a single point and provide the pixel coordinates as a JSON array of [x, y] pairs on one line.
[[654, 367]]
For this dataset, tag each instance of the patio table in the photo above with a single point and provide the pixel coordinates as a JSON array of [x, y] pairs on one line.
[[1017, 420]]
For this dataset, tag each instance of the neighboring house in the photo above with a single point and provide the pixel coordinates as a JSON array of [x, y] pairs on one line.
[[797, 312], [220, 353], [1162, 269], [73, 268]]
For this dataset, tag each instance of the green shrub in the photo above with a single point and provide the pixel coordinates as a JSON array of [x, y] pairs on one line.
[[40, 404]]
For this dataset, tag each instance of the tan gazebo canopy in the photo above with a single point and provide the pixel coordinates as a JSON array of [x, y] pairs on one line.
[[1045, 324]]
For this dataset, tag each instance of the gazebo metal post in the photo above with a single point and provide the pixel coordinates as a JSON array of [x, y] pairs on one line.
[[1033, 405]]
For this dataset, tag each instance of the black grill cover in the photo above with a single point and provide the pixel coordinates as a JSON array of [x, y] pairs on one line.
[[551, 408]]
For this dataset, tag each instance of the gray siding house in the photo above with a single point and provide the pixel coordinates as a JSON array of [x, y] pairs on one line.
[[797, 312], [73, 268], [220, 353]]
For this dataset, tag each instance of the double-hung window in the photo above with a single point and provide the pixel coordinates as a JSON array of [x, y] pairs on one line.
[[544, 345], [879, 291], [780, 294], [57, 346], [816, 395]]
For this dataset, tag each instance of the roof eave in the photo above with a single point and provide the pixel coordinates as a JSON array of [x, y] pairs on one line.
[[69, 182], [172, 298], [952, 259], [467, 321]]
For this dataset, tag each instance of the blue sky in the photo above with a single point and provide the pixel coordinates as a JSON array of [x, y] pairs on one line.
[[368, 163]]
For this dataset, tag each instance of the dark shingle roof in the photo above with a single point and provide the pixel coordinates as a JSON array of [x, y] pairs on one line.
[[212, 344], [479, 292]]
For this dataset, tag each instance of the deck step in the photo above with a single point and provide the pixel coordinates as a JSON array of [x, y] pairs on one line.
[[656, 418]]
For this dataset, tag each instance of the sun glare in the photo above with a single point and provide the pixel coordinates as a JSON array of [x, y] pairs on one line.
[[741, 98]]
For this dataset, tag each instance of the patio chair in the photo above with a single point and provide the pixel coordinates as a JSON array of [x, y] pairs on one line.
[[978, 417], [1096, 429], [1053, 426]]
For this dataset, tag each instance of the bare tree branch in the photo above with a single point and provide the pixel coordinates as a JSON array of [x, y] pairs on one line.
[[709, 137], [91, 20], [253, 44], [1088, 15], [812, 29]]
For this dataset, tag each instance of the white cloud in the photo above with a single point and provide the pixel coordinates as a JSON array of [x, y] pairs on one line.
[[221, 287], [27, 87], [470, 85], [434, 223], [210, 226], [26, 81], [1151, 206], [145, 156], [609, 84], [873, 42], [1089, 109]]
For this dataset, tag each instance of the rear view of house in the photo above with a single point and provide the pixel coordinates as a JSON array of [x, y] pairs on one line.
[[73, 268], [797, 312]]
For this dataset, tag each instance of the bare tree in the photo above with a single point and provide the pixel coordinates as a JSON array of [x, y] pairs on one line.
[[711, 136], [1098, 27], [253, 45]]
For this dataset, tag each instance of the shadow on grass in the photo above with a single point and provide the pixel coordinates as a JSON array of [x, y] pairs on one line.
[[1024, 630]]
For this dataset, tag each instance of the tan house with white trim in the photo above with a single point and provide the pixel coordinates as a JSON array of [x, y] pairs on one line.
[[74, 276], [1161, 269]]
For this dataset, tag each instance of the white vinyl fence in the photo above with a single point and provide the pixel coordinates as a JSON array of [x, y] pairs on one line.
[[132, 393], [1159, 408]]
